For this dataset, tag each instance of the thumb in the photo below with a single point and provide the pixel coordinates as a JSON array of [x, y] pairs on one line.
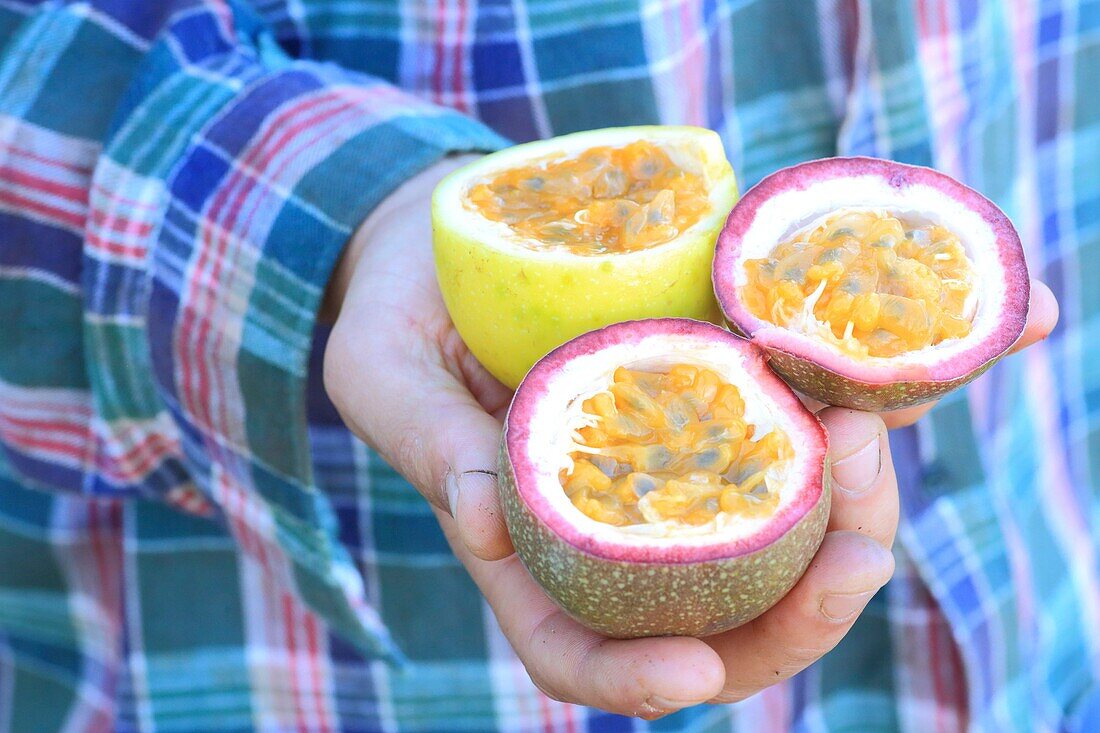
[[428, 426]]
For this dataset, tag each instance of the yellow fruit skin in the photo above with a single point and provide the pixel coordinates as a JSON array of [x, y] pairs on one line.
[[511, 311], [512, 308]]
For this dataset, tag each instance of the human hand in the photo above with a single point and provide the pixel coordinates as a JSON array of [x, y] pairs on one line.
[[405, 383]]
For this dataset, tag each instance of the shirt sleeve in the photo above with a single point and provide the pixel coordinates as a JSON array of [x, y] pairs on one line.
[[204, 184]]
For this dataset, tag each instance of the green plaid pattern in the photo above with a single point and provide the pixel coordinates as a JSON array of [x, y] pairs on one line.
[[191, 541]]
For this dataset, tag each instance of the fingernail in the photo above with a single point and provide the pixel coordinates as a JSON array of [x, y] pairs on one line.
[[665, 705], [856, 473], [461, 483], [843, 606], [450, 485]]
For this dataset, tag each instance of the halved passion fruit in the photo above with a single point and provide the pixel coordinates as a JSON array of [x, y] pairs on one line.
[[872, 284], [544, 241], [657, 478]]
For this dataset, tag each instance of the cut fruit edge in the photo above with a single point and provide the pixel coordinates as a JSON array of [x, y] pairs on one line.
[[535, 447], [692, 148], [784, 202]]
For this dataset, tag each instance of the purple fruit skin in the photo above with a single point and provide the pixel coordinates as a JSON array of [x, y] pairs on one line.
[[846, 390], [824, 385]]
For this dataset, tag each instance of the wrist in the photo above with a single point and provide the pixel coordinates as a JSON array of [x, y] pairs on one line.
[[415, 191]]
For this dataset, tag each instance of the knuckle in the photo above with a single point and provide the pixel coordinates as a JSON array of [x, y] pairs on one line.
[[539, 636], [795, 659], [625, 690], [335, 366], [408, 447], [546, 689], [730, 696], [409, 454], [792, 655], [792, 660]]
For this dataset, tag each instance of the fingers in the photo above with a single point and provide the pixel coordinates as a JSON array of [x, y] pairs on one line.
[[854, 561], [809, 621], [641, 677], [865, 490], [427, 425], [1042, 316], [906, 416]]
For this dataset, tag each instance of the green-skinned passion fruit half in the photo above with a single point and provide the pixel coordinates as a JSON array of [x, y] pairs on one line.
[[872, 284], [657, 479], [544, 241]]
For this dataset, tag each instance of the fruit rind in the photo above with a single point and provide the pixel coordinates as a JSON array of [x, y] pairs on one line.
[[879, 385], [623, 599], [511, 303], [661, 588]]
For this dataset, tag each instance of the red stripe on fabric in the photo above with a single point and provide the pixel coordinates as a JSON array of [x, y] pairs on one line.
[[120, 224], [189, 500], [151, 450], [261, 156], [959, 687], [945, 23], [310, 623], [194, 329], [140, 459], [115, 196], [44, 445], [457, 73], [696, 66], [136, 252], [263, 160], [851, 35], [945, 47], [938, 697], [238, 506], [292, 657], [33, 399], [440, 50], [37, 157], [922, 18], [52, 426], [50, 212], [547, 717], [108, 588], [195, 397], [76, 194]]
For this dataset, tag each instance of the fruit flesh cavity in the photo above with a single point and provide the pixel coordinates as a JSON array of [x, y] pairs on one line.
[[602, 200], [881, 285], [671, 446]]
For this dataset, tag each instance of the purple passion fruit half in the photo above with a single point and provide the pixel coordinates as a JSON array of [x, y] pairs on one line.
[[872, 284], [657, 478]]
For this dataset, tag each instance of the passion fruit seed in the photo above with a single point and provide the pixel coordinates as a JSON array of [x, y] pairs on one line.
[[603, 200], [882, 286], [671, 445]]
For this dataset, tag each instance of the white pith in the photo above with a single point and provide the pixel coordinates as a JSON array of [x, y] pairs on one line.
[[787, 213], [559, 413], [695, 150]]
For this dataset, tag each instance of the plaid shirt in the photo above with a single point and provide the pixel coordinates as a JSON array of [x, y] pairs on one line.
[[190, 540]]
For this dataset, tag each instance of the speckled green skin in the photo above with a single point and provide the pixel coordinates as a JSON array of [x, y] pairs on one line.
[[628, 600], [831, 388]]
